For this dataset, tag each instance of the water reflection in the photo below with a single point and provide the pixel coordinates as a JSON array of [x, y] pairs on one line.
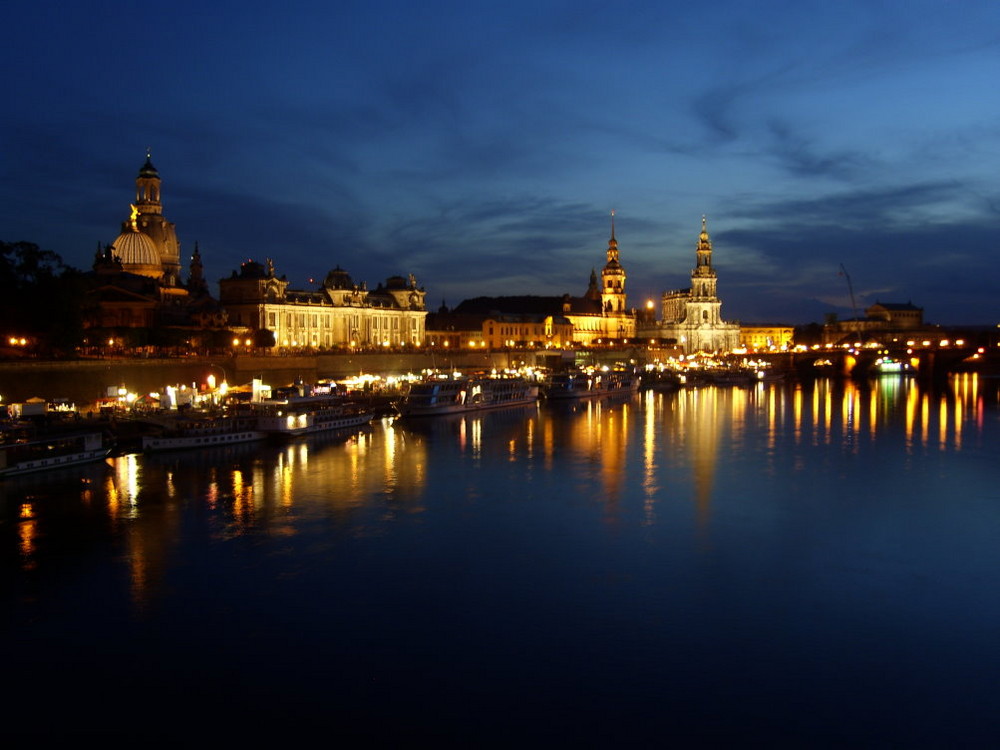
[[638, 455], [803, 552]]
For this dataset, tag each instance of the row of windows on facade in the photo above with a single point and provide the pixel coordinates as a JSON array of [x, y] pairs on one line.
[[525, 330], [302, 321]]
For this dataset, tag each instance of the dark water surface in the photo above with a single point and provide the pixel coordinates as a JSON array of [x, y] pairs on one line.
[[812, 564]]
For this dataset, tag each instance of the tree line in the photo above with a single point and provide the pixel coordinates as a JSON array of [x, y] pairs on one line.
[[40, 297]]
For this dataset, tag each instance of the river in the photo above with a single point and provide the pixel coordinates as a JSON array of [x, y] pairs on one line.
[[811, 563]]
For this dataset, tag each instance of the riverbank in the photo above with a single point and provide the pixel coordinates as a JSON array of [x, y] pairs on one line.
[[86, 381]]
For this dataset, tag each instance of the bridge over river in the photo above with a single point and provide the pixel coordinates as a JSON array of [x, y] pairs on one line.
[[925, 359]]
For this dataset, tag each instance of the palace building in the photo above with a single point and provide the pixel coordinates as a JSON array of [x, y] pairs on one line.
[[339, 313], [692, 318], [136, 284]]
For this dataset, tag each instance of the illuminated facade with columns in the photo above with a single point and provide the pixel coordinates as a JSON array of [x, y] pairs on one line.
[[338, 314]]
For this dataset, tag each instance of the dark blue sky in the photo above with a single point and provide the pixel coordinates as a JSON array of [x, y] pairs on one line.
[[482, 146]]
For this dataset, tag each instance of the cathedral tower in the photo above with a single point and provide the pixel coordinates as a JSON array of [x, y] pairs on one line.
[[693, 317], [704, 305], [613, 278]]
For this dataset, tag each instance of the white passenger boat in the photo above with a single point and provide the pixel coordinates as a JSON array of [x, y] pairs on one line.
[[457, 395], [310, 415], [580, 384], [205, 431], [44, 453]]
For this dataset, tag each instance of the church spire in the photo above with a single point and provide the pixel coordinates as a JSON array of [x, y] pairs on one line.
[[196, 272], [704, 249], [613, 278], [612, 243]]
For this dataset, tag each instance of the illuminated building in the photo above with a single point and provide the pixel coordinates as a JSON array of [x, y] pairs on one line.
[[693, 317], [496, 330], [339, 313], [761, 337], [148, 242], [882, 321], [600, 316], [135, 282]]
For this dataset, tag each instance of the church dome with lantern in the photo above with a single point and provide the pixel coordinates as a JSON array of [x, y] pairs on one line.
[[137, 254]]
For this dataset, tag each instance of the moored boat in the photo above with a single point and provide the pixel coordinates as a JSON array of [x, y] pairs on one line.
[[44, 452], [733, 376], [457, 395], [205, 431], [660, 380], [581, 384], [310, 415]]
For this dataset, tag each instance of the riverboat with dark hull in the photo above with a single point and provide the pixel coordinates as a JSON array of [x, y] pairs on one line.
[[660, 380], [580, 384], [204, 432], [310, 415], [46, 452], [460, 395]]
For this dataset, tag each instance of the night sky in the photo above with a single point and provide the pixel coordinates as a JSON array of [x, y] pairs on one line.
[[483, 146]]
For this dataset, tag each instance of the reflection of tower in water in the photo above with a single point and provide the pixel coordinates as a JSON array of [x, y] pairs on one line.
[[703, 414], [597, 431]]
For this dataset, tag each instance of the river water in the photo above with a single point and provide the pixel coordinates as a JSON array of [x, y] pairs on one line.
[[809, 563]]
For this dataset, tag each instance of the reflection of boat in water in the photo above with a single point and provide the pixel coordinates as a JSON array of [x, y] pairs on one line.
[[489, 420], [204, 431], [460, 395], [35, 452], [580, 384], [309, 416]]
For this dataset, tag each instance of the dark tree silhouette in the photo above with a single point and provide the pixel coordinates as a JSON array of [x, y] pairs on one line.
[[40, 297]]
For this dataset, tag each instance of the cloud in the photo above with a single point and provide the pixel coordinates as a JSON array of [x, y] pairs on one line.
[[801, 157]]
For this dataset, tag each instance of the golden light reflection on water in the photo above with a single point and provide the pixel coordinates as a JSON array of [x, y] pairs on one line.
[[650, 475], [27, 531], [866, 409], [121, 487], [656, 448]]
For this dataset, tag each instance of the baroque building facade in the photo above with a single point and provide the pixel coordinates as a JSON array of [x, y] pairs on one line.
[[147, 244], [693, 317], [766, 336], [340, 313]]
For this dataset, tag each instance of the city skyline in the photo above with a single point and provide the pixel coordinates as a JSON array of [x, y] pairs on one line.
[[483, 149]]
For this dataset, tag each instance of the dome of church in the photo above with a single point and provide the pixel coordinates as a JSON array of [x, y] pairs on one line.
[[138, 254]]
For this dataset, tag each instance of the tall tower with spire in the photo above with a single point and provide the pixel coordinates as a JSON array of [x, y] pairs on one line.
[[147, 218], [704, 304], [693, 317], [613, 278]]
